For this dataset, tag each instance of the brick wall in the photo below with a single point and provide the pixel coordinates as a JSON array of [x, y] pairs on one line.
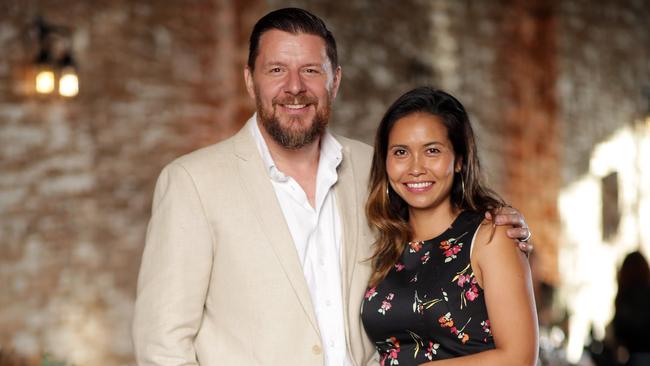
[[527, 74], [157, 80], [542, 80], [604, 58], [384, 51]]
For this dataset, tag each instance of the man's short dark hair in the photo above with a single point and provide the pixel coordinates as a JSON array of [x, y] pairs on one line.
[[295, 21]]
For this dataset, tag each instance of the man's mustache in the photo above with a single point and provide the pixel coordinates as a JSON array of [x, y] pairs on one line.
[[295, 99]]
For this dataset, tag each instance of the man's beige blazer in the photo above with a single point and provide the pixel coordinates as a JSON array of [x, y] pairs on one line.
[[220, 281]]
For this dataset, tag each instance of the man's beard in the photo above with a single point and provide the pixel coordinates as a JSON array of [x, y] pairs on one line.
[[290, 138]]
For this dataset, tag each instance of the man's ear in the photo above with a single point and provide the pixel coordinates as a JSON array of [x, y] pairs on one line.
[[248, 79], [336, 81]]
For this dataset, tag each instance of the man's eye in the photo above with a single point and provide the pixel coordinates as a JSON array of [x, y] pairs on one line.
[[311, 71], [275, 69]]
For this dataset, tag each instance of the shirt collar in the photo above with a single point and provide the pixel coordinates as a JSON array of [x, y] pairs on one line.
[[331, 153]]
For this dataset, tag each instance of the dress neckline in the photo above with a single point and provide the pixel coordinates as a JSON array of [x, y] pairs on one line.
[[446, 231]]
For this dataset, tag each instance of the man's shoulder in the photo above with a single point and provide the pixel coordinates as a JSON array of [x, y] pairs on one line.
[[358, 149], [219, 153]]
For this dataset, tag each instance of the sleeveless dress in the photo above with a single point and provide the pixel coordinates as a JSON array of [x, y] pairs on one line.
[[430, 306]]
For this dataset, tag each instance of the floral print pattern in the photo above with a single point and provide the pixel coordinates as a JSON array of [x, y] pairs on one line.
[[419, 306], [428, 300], [392, 352], [386, 304], [371, 293], [446, 321], [468, 283], [425, 258], [432, 350], [415, 246], [451, 247], [486, 329]]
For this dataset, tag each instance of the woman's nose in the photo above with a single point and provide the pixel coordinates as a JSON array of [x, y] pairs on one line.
[[416, 168]]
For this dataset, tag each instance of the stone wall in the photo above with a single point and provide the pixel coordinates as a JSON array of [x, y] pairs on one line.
[[498, 57], [384, 50], [543, 81], [604, 55], [527, 73], [604, 64], [157, 80]]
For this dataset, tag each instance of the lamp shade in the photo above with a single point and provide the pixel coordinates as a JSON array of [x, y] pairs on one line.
[[69, 81], [45, 79]]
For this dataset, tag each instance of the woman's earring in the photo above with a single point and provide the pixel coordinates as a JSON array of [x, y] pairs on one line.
[[387, 192], [462, 185]]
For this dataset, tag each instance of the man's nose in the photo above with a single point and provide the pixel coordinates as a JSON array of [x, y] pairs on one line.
[[294, 83]]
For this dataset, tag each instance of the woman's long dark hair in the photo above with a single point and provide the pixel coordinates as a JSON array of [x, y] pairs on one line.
[[388, 213]]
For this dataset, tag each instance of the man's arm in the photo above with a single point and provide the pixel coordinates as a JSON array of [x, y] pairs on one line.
[[174, 273]]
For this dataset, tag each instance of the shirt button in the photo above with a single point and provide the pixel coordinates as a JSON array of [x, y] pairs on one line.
[[316, 350], [332, 344], [328, 303]]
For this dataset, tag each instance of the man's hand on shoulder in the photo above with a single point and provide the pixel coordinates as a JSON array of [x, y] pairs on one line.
[[519, 231]]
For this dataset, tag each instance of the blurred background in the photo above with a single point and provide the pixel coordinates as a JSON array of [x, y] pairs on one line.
[[558, 90]]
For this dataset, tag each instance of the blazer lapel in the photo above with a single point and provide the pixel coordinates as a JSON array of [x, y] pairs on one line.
[[269, 214], [346, 198]]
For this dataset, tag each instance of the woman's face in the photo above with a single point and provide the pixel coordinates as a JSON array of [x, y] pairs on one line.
[[421, 161]]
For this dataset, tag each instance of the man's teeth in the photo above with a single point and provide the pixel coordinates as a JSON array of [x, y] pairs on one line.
[[419, 185], [295, 106]]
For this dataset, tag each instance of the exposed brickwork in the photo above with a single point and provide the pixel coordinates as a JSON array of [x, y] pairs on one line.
[[383, 51], [157, 80], [527, 68], [542, 80], [604, 59], [604, 63], [466, 60]]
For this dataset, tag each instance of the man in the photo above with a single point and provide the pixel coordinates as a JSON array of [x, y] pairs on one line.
[[256, 248]]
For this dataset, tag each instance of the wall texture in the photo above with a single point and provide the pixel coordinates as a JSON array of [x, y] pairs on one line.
[[604, 62], [502, 67], [544, 81], [77, 175]]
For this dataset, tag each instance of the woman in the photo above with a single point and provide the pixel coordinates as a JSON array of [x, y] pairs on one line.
[[448, 287]]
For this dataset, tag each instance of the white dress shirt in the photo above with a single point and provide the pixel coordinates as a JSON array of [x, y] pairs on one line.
[[317, 234]]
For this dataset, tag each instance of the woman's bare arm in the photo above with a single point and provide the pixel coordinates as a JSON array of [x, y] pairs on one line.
[[503, 272]]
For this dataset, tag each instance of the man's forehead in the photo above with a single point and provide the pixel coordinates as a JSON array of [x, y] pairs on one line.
[[275, 42]]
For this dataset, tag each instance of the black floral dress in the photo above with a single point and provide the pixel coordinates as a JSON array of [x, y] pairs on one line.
[[430, 306]]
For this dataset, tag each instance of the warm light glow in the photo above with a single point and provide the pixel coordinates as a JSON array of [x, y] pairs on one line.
[[588, 262], [45, 81], [69, 84]]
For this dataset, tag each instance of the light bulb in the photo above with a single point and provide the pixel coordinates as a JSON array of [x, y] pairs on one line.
[[69, 83], [45, 81]]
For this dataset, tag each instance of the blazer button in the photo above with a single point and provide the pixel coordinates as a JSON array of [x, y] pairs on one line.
[[316, 349]]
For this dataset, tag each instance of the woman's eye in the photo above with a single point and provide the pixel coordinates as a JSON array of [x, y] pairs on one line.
[[433, 150], [399, 152]]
